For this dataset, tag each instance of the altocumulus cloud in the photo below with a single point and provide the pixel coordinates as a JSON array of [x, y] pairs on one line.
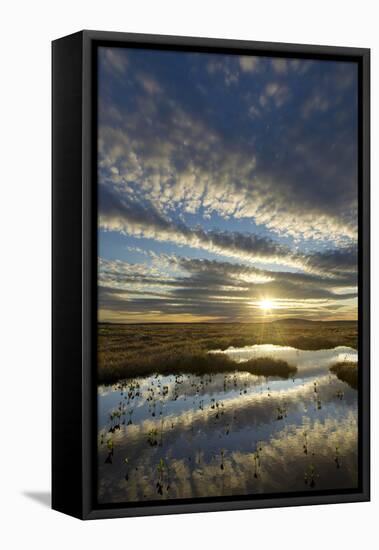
[[248, 162], [294, 178], [172, 285], [122, 214]]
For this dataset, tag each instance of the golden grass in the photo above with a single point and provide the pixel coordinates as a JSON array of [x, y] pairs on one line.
[[347, 372], [138, 350]]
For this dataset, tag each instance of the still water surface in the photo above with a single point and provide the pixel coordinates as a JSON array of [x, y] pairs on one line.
[[186, 436]]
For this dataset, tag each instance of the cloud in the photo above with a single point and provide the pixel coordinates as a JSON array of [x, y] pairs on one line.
[[172, 285], [274, 93], [249, 64], [246, 162], [129, 216], [294, 181], [192, 169], [114, 59], [144, 220], [315, 104], [280, 65], [149, 84], [226, 67]]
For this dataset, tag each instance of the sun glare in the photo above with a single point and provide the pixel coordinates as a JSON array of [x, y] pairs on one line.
[[266, 305]]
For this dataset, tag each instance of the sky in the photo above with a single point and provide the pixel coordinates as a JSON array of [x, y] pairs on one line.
[[227, 187]]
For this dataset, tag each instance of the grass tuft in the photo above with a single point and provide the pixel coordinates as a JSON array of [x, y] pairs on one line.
[[347, 372], [267, 366], [193, 363]]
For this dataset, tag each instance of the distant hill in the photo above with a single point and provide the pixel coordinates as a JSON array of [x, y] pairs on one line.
[[298, 321], [294, 321]]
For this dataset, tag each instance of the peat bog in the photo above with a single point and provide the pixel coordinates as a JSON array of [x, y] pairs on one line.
[[225, 409]]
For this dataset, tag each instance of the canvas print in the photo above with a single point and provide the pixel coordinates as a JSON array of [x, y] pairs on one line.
[[227, 340]]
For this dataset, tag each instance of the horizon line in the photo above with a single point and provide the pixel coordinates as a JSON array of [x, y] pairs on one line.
[[227, 322]]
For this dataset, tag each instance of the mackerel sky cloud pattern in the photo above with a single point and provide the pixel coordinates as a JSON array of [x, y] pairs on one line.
[[224, 179]]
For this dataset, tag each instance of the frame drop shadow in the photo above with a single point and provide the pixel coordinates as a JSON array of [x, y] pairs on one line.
[[41, 497]]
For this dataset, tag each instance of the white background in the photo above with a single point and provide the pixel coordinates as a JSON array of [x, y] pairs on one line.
[[26, 31]]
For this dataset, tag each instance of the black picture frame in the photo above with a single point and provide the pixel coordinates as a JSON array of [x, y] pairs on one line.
[[74, 268]]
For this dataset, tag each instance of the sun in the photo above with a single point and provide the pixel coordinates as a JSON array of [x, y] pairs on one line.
[[266, 305]]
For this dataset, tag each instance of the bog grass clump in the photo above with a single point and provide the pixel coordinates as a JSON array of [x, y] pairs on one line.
[[347, 371], [198, 363], [268, 366]]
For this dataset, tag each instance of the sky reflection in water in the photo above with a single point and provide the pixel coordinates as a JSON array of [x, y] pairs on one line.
[[168, 437]]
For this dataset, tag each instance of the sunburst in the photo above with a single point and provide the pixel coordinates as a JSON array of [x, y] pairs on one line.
[[266, 304]]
